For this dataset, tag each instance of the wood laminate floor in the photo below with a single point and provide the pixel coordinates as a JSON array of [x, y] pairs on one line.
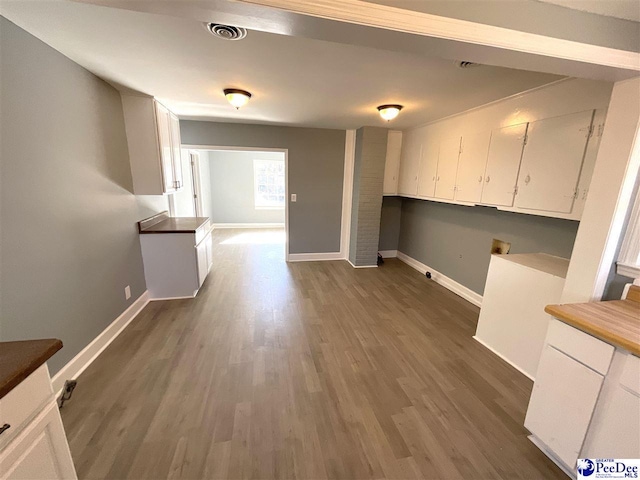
[[302, 371]]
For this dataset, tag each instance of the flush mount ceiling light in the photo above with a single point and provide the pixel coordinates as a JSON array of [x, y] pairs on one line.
[[389, 112], [237, 98]]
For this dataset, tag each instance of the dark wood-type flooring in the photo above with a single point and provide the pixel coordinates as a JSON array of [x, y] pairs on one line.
[[302, 371]]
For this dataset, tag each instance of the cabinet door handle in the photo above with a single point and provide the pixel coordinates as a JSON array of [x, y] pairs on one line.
[[480, 179], [527, 179], [4, 427], [488, 179]]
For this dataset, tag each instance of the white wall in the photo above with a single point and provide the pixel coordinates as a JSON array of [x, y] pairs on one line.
[[231, 182]]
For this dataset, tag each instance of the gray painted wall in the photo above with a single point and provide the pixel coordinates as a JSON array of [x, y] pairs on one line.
[[456, 240], [368, 174], [69, 240], [231, 186], [316, 171], [390, 223]]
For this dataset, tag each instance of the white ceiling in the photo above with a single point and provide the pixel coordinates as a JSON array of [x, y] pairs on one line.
[[625, 9], [295, 81]]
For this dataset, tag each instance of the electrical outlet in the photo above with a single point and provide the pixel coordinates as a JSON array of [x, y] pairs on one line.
[[294, 197], [127, 292]]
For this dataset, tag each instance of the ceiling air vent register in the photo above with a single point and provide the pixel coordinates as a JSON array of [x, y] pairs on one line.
[[226, 32], [466, 64]]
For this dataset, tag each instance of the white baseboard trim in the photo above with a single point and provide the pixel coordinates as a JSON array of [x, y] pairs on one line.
[[186, 297], [247, 225], [481, 342], [88, 354], [361, 266], [443, 280], [388, 253], [314, 257]]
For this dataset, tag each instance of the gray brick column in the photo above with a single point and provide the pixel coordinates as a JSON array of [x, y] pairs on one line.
[[370, 155]]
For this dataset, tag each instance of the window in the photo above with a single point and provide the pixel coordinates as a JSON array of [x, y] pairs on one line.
[[629, 258], [268, 177]]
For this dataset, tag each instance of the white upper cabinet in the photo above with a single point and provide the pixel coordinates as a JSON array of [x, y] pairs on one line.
[[410, 162], [447, 167], [153, 138], [176, 150], [428, 169], [392, 163], [552, 161], [503, 162], [471, 167]]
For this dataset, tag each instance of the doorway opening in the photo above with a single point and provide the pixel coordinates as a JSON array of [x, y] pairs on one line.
[[237, 188]]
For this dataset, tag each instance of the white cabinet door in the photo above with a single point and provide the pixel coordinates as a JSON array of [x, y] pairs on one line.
[[428, 169], [617, 432], [209, 243], [447, 167], [562, 402], [410, 163], [40, 451], [503, 163], [175, 150], [471, 167], [551, 162], [392, 163], [202, 261], [163, 119]]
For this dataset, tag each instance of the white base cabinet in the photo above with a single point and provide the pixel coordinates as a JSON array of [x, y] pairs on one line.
[[176, 264], [35, 446], [586, 399], [563, 399], [615, 427]]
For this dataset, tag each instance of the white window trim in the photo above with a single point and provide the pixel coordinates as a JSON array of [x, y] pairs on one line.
[[629, 258], [255, 186]]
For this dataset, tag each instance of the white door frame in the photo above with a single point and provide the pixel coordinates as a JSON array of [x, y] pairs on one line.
[[286, 177], [194, 163]]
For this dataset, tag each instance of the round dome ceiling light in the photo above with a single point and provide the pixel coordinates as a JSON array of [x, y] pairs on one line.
[[389, 112], [236, 97], [226, 32]]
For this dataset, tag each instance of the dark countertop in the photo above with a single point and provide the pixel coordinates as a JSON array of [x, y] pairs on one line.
[[18, 360], [616, 321], [176, 225], [163, 223]]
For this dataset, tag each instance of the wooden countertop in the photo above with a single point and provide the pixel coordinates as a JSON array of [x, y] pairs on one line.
[[616, 322], [18, 360], [163, 223]]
